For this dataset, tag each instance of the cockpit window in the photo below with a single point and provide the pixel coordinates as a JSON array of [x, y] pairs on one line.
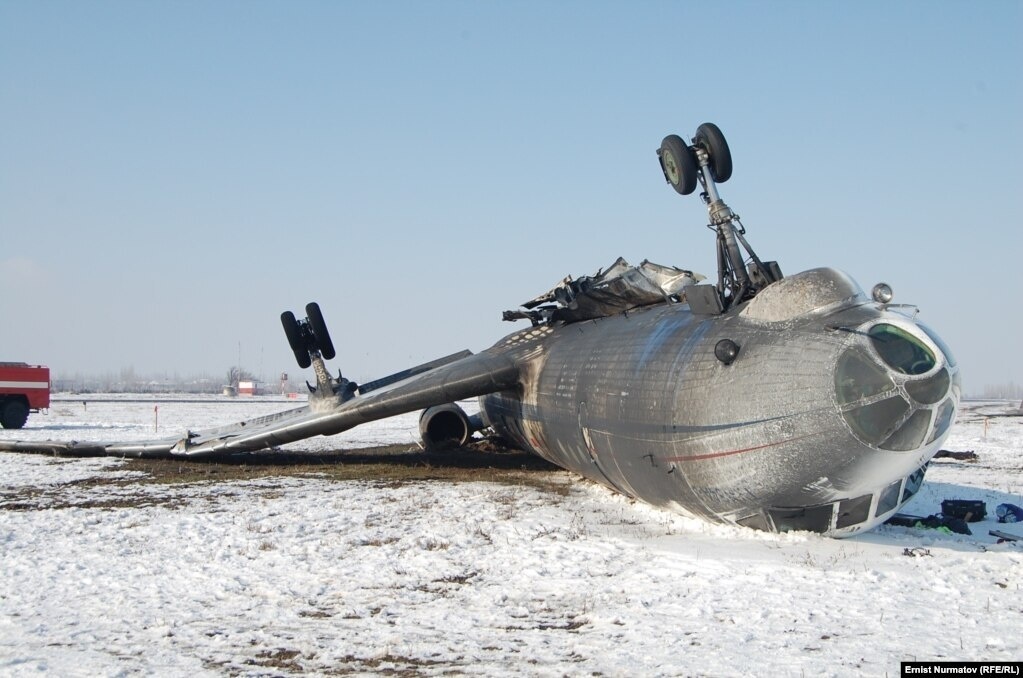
[[900, 393], [901, 350], [859, 377], [911, 434], [875, 422], [942, 422], [913, 483], [929, 390], [949, 358]]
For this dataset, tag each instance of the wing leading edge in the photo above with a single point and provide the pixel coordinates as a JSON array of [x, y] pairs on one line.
[[467, 377]]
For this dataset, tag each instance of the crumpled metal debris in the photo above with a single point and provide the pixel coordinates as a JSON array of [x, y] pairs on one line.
[[618, 288]]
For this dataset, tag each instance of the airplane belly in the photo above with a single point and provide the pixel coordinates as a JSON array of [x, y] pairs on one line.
[[606, 404], [639, 402]]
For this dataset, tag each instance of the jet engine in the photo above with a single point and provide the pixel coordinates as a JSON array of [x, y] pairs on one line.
[[446, 426]]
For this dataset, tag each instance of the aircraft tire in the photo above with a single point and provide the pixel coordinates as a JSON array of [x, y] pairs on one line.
[[678, 164], [14, 414], [320, 334], [709, 138], [292, 331]]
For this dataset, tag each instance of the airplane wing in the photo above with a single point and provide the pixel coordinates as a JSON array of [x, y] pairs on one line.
[[465, 377]]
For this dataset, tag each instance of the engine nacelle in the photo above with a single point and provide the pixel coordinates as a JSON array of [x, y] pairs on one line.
[[447, 426]]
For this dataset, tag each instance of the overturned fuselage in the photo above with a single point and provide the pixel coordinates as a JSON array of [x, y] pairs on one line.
[[779, 403], [822, 415]]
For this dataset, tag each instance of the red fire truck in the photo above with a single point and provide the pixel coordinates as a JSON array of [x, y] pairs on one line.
[[24, 388]]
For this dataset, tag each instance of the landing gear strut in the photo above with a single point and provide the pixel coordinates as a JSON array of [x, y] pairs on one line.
[[706, 161]]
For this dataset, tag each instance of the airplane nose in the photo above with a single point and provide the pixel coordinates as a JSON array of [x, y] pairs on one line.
[[897, 388]]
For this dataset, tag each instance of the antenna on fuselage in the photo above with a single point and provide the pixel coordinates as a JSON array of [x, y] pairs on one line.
[[708, 161]]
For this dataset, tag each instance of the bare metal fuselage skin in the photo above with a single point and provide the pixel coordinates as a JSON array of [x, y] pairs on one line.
[[782, 438]]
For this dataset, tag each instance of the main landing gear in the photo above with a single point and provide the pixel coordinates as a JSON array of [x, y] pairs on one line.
[[708, 161], [310, 341]]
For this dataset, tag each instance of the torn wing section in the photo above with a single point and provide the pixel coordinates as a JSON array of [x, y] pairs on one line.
[[471, 376], [617, 288]]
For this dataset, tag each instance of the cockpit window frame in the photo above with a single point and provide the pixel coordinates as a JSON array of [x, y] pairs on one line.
[[915, 340], [910, 388]]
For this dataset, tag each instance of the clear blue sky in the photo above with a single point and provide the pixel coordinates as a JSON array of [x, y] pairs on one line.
[[173, 175]]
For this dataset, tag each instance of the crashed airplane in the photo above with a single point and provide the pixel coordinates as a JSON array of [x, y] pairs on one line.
[[774, 402]]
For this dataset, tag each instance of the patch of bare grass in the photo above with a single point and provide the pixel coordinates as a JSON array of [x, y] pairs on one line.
[[397, 464], [390, 466]]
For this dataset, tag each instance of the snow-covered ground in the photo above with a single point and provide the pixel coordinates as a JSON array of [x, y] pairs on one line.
[[291, 575]]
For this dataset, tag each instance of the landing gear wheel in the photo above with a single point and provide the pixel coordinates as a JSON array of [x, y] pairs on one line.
[[14, 414], [678, 164], [322, 337], [295, 339], [292, 331], [710, 139]]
